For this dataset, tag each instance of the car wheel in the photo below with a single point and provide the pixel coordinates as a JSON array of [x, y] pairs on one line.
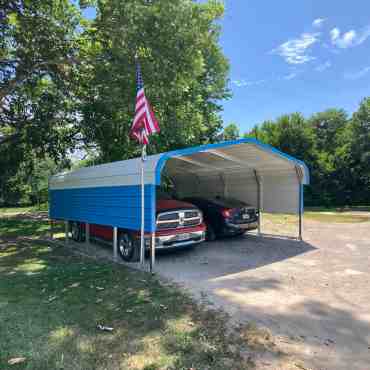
[[127, 247], [75, 231], [210, 232]]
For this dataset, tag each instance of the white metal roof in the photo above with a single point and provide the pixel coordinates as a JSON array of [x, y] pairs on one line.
[[231, 158]]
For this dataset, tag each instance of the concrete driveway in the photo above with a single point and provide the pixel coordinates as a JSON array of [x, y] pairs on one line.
[[314, 296]]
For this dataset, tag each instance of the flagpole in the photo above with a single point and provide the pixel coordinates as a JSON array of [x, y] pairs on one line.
[[142, 243]]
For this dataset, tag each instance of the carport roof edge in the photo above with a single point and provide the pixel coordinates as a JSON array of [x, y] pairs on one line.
[[164, 157], [127, 172]]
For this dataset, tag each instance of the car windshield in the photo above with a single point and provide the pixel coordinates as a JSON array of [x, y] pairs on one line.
[[228, 202], [162, 195]]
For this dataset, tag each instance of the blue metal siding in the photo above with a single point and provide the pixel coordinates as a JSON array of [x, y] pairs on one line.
[[118, 206]]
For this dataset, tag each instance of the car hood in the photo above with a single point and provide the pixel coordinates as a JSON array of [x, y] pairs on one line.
[[172, 205]]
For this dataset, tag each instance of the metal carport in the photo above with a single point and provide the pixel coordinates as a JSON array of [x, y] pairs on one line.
[[246, 169]]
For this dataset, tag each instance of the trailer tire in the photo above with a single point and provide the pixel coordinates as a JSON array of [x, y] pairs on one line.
[[128, 247]]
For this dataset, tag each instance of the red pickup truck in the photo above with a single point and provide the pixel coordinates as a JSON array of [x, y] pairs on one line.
[[179, 224]]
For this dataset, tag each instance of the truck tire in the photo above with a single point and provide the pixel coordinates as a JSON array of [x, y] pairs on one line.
[[128, 247], [210, 233], [75, 228]]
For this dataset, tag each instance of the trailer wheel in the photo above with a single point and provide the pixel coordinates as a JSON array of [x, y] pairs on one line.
[[127, 247], [75, 231]]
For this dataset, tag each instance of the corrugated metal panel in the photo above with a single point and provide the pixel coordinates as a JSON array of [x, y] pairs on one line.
[[121, 173], [118, 206]]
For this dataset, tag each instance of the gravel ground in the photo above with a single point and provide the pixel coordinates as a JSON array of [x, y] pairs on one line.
[[313, 296]]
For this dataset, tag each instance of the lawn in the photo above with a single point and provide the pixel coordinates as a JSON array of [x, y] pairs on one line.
[[51, 302]]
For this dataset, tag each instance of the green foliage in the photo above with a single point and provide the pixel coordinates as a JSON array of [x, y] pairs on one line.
[[358, 151], [183, 69], [29, 184], [38, 57], [67, 82], [231, 132], [335, 148]]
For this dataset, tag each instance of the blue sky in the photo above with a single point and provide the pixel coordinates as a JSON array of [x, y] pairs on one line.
[[294, 56], [290, 55]]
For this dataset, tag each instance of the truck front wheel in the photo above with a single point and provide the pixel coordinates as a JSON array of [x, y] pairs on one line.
[[127, 247]]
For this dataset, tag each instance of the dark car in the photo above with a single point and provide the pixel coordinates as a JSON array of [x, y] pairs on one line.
[[226, 216]]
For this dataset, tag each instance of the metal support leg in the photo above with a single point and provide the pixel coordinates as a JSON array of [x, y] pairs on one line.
[[259, 201], [115, 244], [259, 209], [300, 219], [51, 229], [300, 201], [66, 227], [87, 233], [152, 253], [142, 241]]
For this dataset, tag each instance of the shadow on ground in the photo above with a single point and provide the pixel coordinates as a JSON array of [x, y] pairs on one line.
[[230, 256]]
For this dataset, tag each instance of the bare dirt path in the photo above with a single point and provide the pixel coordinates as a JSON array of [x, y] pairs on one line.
[[314, 296]]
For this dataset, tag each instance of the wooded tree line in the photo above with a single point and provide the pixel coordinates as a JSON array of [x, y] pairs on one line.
[[68, 83], [335, 147]]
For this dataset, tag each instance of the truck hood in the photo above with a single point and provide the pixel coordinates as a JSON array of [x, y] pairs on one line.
[[172, 205]]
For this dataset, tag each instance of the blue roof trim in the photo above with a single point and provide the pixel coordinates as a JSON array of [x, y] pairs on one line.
[[201, 148]]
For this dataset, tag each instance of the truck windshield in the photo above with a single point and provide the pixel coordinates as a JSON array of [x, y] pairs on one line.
[[228, 202]]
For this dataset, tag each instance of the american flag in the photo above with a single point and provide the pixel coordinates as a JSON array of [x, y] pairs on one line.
[[145, 123]]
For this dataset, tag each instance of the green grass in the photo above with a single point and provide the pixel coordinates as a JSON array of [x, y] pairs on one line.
[[336, 217], [10, 228], [330, 217], [339, 209], [11, 211], [51, 302]]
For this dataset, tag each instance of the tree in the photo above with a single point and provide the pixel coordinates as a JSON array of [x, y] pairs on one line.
[[38, 57], [231, 132], [29, 183], [183, 68], [330, 174], [360, 152], [37, 52], [335, 148]]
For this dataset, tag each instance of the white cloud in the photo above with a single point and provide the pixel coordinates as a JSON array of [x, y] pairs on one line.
[[322, 67], [290, 76], [334, 34], [295, 51], [244, 83], [318, 22], [356, 75], [350, 38]]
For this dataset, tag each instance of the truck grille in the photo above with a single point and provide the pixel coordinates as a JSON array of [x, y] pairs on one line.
[[178, 219]]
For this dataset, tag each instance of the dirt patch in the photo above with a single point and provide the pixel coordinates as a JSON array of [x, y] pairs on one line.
[[313, 296]]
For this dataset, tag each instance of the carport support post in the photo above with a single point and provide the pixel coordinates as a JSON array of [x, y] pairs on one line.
[[66, 228], [115, 234], [300, 211], [51, 229], [87, 233], [152, 253], [259, 200], [300, 201]]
